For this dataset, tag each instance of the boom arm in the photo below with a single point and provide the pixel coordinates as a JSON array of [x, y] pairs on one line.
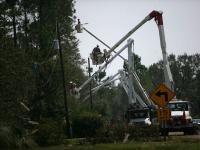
[[106, 82], [159, 20], [101, 41], [125, 83], [104, 66], [167, 72], [142, 90], [154, 14], [94, 90]]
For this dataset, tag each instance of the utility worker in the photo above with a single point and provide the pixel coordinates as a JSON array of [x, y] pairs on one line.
[[106, 55], [125, 67], [96, 51], [72, 87], [78, 27]]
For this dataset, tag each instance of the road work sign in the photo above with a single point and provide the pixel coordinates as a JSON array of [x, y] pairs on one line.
[[162, 95]]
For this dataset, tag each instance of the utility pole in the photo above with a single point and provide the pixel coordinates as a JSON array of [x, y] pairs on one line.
[[89, 71], [59, 47]]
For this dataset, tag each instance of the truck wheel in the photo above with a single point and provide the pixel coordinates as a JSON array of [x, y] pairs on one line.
[[189, 131]]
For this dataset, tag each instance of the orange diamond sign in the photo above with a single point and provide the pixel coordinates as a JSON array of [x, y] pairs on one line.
[[162, 95]]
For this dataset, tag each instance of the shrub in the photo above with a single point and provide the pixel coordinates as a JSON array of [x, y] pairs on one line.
[[50, 133], [104, 135], [116, 133], [86, 124], [111, 133], [138, 133], [7, 137]]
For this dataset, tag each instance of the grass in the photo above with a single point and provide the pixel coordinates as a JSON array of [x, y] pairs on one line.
[[169, 145]]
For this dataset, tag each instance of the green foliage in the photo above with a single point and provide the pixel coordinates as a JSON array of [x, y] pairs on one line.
[[116, 132], [7, 138], [172, 144], [142, 146], [111, 133], [29, 66], [119, 103], [139, 133], [17, 84], [30, 72], [103, 101], [50, 133], [86, 124], [185, 71]]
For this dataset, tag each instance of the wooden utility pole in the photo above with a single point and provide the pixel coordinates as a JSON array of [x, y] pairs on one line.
[[68, 125]]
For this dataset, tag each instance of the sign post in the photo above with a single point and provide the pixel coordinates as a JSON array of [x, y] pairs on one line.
[[161, 96]]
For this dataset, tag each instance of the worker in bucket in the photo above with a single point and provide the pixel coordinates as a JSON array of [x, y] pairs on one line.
[[78, 27], [96, 51]]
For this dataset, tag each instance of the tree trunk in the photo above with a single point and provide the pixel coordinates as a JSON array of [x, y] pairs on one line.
[[26, 29], [14, 30], [41, 24]]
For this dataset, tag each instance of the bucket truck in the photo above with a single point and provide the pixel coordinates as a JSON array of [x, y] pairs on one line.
[[138, 112], [180, 110], [105, 56]]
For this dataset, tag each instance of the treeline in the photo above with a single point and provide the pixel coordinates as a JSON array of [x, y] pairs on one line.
[[30, 74], [112, 101], [186, 74], [30, 71]]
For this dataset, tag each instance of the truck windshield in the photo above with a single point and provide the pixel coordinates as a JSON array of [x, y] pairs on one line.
[[178, 106], [135, 115]]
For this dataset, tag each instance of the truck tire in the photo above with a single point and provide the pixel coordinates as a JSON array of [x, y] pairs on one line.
[[189, 131]]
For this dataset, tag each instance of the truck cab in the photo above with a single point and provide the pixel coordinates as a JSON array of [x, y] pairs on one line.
[[181, 119], [140, 117]]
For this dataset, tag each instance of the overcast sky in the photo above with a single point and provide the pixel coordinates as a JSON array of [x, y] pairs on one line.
[[112, 19]]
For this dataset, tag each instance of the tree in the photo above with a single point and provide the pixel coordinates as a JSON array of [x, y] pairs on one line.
[[13, 13], [185, 70], [30, 69]]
